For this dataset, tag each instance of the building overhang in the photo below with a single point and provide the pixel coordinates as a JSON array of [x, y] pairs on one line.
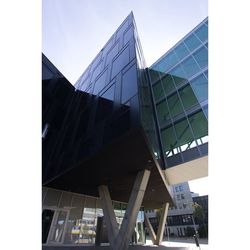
[[187, 171]]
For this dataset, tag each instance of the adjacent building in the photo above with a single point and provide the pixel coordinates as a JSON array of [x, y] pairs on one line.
[[115, 141]]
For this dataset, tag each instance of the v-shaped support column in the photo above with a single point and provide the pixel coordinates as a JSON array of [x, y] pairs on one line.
[[157, 239], [119, 239]]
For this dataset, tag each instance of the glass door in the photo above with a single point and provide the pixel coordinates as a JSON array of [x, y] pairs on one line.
[[58, 227], [47, 218]]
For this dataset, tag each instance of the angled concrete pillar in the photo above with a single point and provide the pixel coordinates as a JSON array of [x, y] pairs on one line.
[[132, 210], [162, 223], [119, 239], [150, 229], [109, 214]]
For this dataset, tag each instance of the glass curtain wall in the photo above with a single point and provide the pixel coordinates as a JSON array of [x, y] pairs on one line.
[[70, 218], [179, 82]]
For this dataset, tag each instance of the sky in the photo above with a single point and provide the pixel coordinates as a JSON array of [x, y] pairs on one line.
[[73, 32]]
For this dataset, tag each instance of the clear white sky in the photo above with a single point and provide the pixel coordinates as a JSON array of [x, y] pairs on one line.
[[73, 32]]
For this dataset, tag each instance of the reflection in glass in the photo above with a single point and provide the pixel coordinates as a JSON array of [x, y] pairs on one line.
[[59, 227], [192, 42], [201, 56], [202, 32], [200, 87], [190, 66], [169, 140], [162, 112], [181, 51], [174, 105], [199, 125], [168, 84], [158, 91], [187, 96], [167, 62], [178, 75]]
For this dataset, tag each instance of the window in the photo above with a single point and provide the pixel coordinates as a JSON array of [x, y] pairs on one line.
[[200, 87], [181, 51], [176, 189], [162, 112], [190, 66], [201, 56], [187, 96], [120, 62], [128, 34], [109, 94], [178, 75], [168, 84], [169, 140], [182, 196], [192, 42], [167, 62], [129, 84], [184, 134], [111, 54], [202, 32], [174, 105], [199, 125], [153, 75], [158, 91], [100, 83]]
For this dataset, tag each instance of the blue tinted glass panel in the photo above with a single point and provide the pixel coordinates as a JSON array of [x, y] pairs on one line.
[[178, 75], [109, 94], [200, 87], [190, 66], [181, 51], [201, 57], [174, 105], [111, 54], [96, 72], [129, 84], [206, 74], [100, 83], [192, 42], [128, 35], [202, 33], [120, 62], [167, 62]]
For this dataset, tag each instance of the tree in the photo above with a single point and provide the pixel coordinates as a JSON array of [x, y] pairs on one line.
[[200, 216]]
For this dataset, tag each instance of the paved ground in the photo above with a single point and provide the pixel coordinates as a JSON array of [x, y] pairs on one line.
[[172, 244]]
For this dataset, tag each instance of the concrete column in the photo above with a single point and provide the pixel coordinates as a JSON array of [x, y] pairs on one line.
[[162, 223], [134, 204], [150, 229], [109, 214]]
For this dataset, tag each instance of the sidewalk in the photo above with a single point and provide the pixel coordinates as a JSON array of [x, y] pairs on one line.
[[188, 243]]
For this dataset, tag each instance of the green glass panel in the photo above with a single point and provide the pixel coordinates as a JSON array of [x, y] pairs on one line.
[[178, 75], [199, 124], [167, 62], [188, 97], [202, 32], [154, 75], [190, 66], [158, 91], [183, 132], [174, 105], [168, 139], [162, 112], [200, 87], [168, 84], [201, 56], [181, 51], [192, 42]]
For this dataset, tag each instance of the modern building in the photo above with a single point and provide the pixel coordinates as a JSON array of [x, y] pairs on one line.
[[115, 141], [180, 216]]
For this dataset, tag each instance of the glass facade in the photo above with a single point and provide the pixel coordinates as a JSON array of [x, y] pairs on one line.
[[179, 83], [73, 218]]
